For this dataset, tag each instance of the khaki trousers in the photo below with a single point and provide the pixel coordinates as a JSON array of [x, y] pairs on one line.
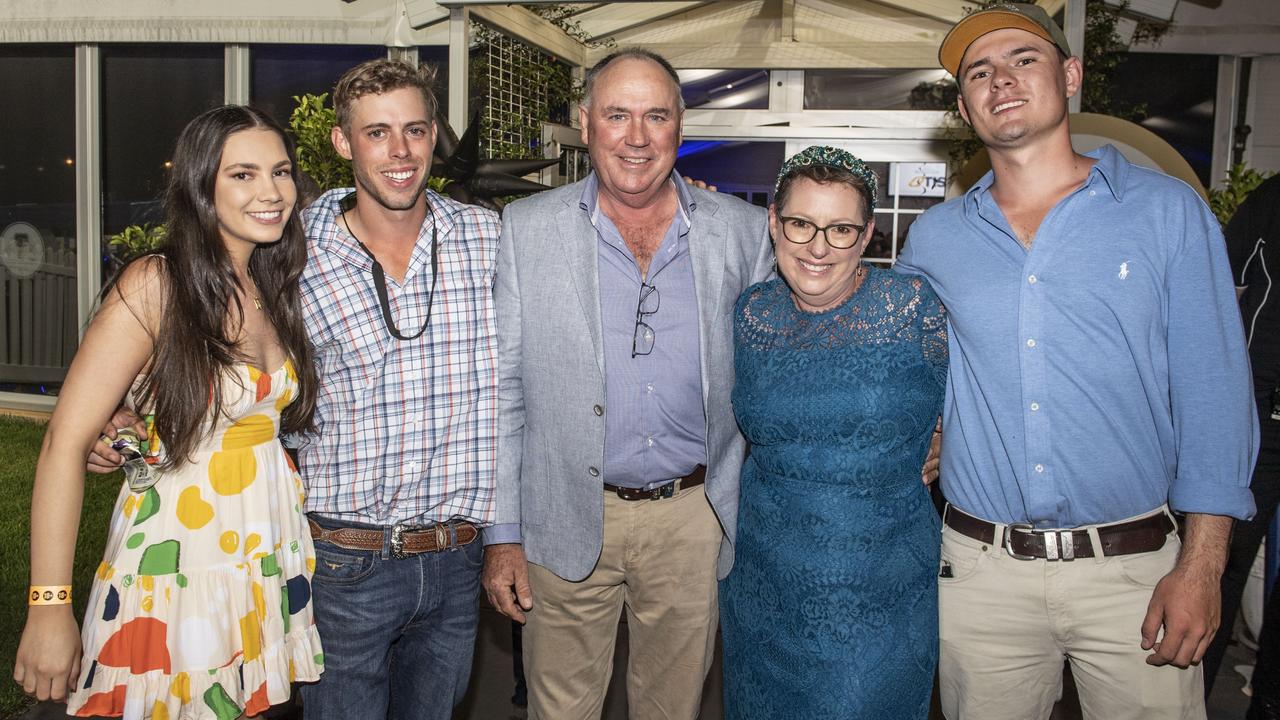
[[659, 563], [1005, 626]]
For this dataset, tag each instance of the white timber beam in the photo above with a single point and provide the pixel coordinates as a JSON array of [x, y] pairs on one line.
[[528, 27], [947, 11], [1224, 117], [791, 55], [1052, 7], [235, 74], [425, 12], [787, 26], [786, 92], [612, 18], [459, 67], [88, 179], [798, 118]]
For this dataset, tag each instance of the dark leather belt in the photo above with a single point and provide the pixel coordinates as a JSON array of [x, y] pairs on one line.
[[693, 479], [1023, 542], [404, 540]]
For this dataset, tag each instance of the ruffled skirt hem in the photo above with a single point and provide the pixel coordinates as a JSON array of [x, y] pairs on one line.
[[225, 693]]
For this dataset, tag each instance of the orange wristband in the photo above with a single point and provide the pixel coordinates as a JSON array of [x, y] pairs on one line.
[[49, 595]]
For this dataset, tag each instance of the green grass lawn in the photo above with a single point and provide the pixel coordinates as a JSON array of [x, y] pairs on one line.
[[19, 446]]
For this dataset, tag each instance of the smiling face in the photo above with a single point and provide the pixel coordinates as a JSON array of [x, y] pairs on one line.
[[632, 129], [253, 193], [391, 140], [1014, 88], [820, 276]]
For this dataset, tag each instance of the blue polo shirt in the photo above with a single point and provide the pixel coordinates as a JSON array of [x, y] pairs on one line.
[[1103, 371]]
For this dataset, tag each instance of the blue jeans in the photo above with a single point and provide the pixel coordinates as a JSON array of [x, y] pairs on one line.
[[398, 634]]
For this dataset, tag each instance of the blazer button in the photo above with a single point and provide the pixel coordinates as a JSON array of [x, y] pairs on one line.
[[598, 410], [593, 471]]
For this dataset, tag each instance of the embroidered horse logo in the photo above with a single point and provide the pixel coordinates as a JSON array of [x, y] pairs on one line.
[[1124, 270]]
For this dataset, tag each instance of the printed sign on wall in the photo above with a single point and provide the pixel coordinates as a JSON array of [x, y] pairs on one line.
[[918, 179]]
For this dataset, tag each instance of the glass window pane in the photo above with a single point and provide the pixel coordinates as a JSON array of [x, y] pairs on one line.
[[881, 169], [278, 72], [149, 93], [905, 220], [915, 202], [38, 321], [725, 89], [745, 169], [1173, 96], [878, 89], [880, 246]]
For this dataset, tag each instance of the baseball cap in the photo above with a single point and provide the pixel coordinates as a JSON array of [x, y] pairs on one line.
[[1021, 16]]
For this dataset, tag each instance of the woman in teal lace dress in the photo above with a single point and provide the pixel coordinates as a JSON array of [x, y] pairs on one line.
[[831, 608]]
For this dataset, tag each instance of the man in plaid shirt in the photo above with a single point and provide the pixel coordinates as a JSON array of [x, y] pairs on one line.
[[400, 472]]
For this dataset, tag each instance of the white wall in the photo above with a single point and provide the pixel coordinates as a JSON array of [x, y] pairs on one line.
[[1236, 27], [1262, 149]]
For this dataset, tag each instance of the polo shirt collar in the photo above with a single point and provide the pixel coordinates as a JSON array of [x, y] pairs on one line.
[[1111, 166]]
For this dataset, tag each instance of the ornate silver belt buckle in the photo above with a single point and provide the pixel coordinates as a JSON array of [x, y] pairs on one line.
[[1067, 541], [1008, 537], [397, 541]]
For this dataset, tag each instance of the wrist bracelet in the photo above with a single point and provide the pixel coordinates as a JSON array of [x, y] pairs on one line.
[[49, 595]]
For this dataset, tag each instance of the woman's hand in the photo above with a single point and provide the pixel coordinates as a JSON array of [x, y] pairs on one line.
[[48, 662]]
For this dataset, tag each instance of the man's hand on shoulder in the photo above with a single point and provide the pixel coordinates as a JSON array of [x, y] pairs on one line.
[[506, 580], [1188, 601]]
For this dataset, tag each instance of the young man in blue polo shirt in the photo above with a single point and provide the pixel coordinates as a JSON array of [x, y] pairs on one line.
[[1099, 379]]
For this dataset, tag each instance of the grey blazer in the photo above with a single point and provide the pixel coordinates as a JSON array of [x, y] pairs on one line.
[[551, 393]]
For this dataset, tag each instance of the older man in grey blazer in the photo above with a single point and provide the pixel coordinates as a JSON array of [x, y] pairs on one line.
[[618, 453]]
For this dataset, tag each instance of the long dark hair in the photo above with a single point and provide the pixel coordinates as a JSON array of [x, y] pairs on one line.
[[182, 383]]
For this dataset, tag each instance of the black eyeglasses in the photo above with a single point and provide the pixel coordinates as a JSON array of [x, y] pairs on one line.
[[642, 339], [840, 236]]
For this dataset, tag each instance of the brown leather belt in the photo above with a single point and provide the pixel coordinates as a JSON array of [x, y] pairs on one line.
[[1023, 542], [404, 540], [693, 479]]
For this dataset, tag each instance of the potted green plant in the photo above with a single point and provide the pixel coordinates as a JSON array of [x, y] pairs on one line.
[[1239, 183]]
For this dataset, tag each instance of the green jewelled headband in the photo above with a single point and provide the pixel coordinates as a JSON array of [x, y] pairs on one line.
[[833, 158]]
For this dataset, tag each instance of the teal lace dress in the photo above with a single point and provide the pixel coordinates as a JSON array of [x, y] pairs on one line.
[[831, 608]]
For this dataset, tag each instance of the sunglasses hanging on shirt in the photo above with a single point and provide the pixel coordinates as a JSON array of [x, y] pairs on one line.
[[380, 276]]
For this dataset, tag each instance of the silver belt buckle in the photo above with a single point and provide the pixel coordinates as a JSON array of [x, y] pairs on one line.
[[663, 491], [1067, 541], [397, 540], [1059, 545], [1008, 545]]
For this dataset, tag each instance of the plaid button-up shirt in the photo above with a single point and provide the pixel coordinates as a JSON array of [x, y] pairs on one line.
[[406, 429]]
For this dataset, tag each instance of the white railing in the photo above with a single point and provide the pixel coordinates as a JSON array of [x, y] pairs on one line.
[[38, 320]]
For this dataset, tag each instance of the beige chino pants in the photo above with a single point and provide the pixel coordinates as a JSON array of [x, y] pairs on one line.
[[1005, 626], [659, 563]]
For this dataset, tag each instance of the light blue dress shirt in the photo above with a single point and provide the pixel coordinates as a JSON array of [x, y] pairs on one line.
[[1100, 373], [655, 429]]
